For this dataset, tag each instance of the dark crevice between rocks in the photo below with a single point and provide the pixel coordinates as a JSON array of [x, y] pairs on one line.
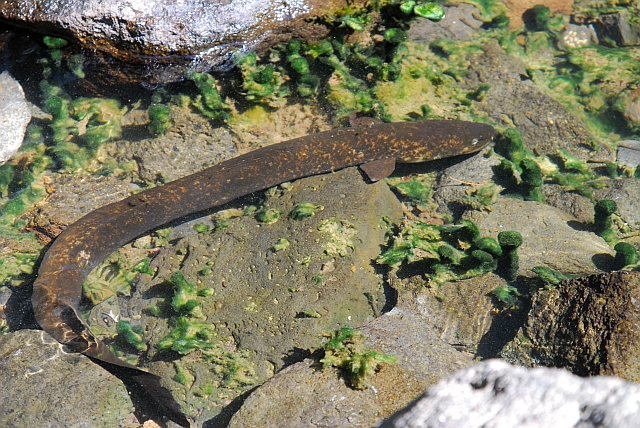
[[503, 329]]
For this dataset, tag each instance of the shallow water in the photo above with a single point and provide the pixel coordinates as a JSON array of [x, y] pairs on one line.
[[95, 139]]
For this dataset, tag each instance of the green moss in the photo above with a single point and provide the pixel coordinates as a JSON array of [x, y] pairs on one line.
[[481, 197], [143, 266], [416, 187], [54, 42], [112, 277], [532, 180], [449, 253], [261, 83], [395, 35], [346, 349], [21, 202], [132, 335], [341, 234], [281, 245], [431, 11], [16, 264], [183, 376], [268, 215], [201, 227], [550, 277], [489, 245], [304, 210], [209, 102], [626, 255], [602, 223], [510, 144], [185, 298], [188, 335], [160, 118], [542, 17], [506, 295], [509, 261], [75, 63]]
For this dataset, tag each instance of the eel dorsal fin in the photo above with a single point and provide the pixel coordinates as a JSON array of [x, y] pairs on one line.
[[378, 169]]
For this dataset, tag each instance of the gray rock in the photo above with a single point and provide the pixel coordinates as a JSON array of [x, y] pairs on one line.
[[45, 387], [459, 23], [162, 33], [548, 238], [498, 395], [15, 115], [301, 395], [629, 153], [576, 36], [626, 193]]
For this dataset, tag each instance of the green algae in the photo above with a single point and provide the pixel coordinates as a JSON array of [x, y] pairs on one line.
[[281, 245], [133, 335], [341, 234], [304, 210], [159, 117], [346, 349], [448, 252]]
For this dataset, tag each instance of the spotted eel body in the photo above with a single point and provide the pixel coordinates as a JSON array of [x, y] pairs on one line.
[[86, 243]]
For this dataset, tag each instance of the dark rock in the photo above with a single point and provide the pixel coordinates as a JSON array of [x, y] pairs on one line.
[[616, 27], [588, 325], [515, 100], [162, 37], [497, 394]]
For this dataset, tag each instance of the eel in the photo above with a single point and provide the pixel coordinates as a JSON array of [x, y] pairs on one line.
[[83, 245]]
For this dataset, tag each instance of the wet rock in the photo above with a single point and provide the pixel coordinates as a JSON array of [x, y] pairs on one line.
[[616, 27], [44, 386], [164, 35], [576, 36], [514, 100], [302, 395], [578, 206], [69, 201], [274, 304], [191, 144], [459, 23], [548, 236], [626, 194], [15, 115], [499, 395], [629, 153], [588, 325]]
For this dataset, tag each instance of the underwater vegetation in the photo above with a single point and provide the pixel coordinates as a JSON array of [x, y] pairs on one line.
[[346, 349], [453, 252], [191, 332], [602, 222]]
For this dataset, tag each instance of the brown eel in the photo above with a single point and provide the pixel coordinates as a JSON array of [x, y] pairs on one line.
[[87, 242]]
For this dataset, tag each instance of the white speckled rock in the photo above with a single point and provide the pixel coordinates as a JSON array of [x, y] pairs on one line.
[[14, 116], [498, 395]]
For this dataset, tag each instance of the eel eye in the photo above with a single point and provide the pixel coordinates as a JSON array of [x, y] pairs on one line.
[[474, 141]]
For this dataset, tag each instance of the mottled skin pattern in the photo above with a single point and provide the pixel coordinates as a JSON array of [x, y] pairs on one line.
[[87, 242]]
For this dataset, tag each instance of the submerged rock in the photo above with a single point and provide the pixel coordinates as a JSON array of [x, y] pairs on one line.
[[14, 116], [164, 36], [588, 325]]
